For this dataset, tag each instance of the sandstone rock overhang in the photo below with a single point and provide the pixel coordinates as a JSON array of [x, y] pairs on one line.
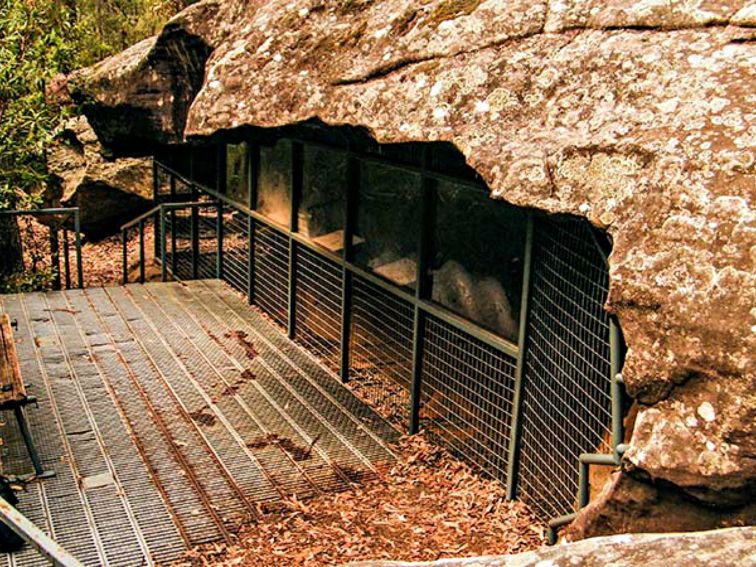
[[637, 115]]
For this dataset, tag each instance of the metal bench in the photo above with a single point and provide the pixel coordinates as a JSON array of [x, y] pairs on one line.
[[13, 392]]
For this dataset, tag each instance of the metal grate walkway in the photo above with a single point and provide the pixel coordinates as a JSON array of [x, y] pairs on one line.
[[172, 413]]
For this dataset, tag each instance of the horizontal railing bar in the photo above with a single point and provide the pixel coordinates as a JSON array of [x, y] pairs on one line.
[[167, 207], [135, 221], [36, 212], [457, 321], [38, 539], [187, 205], [562, 520], [379, 160]]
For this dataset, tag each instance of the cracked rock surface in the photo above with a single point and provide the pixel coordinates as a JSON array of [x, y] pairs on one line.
[[637, 114], [107, 191]]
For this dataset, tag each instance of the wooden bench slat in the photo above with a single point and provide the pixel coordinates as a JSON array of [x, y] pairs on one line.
[[12, 389]]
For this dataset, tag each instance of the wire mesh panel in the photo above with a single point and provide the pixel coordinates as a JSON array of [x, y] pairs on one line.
[[236, 250], [467, 394], [163, 184], [566, 395], [181, 250], [380, 366], [47, 244], [179, 243], [318, 306], [272, 273]]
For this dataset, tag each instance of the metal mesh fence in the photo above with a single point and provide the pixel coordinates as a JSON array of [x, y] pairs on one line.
[[380, 366], [467, 383], [468, 387], [271, 273], [318, 306], [179, 242], [48, 245], [566, 388], [236, 250]]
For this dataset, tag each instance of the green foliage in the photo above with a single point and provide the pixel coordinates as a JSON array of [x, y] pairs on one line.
[[28, 281], [38, 40], [36, 45], [41, 38], [104, 27]]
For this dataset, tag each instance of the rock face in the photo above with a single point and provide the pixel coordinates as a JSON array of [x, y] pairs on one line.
[[140, 99], [628, 505], [636, 114], [107, 191], [735, 546]]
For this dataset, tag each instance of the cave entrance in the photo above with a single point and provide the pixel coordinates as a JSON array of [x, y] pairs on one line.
[[479, 322]]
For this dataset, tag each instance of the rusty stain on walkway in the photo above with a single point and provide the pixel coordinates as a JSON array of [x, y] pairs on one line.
[[172, 413]]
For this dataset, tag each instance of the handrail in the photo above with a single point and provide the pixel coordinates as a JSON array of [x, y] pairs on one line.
[[36, 212], [485, 336], [210, 191], [55, 243], [35, 537], [156, 212], [135, 221], [167, 206]]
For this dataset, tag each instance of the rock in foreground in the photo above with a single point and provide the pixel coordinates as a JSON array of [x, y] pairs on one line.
[[735, 546]]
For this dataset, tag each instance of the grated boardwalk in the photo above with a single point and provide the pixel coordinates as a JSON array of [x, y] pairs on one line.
[[172, 413]]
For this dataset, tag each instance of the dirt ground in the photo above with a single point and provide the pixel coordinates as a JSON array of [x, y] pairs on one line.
[[427, 506]]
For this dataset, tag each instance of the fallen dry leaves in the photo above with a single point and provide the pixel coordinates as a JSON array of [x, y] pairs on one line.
[[102, 260], [426, 506]]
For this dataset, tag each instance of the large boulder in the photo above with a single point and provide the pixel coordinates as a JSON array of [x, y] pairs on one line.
[[735, 546], [635, 114], [107, 191], [628, 505], [139, 99]]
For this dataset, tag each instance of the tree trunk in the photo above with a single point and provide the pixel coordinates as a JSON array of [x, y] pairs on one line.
[[11, 252]]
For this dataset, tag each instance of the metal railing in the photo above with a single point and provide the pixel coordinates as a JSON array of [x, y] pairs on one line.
[[59, 243], [35, 537], [422, 366]]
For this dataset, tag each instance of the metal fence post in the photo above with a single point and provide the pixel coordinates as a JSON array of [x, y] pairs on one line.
[[219, 240], [77, 241], [194, 221], [125, 256], [194, 227], [347, 283], [141, 251], [156, 201], [297, 170], [253, 169], [515, 430], [163, 266], [220, 187], [422, 288], [172, 180], [55, 256], [616, 347], [66, 259]]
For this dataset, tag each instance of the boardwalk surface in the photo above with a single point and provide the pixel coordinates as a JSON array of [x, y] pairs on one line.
[[171, 413]]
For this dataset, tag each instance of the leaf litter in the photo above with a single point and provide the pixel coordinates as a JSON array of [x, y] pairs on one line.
[[426, 506]]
